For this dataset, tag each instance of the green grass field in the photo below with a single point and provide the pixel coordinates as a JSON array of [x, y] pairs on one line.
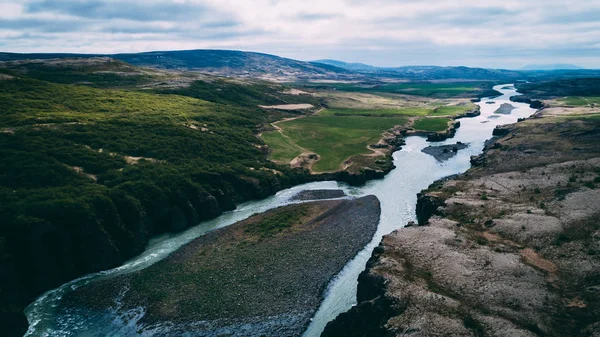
[[334, 138], [282, 148], [418, 89], [410, 111], [432, 124], [580, 101]]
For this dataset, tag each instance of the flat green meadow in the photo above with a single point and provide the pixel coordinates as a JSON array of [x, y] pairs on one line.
[[334, 138], [580, 101], [432, 124], [411, 111]]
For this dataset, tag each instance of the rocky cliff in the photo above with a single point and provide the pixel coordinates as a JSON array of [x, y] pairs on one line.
[[510, 248]]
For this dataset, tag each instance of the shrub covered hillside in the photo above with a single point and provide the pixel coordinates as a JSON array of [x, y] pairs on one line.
[[88, 175]]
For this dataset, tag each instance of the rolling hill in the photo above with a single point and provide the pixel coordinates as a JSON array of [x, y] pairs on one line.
[[241, 64], [230, 63]]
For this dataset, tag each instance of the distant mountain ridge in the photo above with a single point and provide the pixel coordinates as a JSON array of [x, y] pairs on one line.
[[558, 66], [430, 72], [231, 63], [242, 64], [349, 66]]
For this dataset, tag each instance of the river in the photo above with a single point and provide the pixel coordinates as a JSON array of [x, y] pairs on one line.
[[397, 193]]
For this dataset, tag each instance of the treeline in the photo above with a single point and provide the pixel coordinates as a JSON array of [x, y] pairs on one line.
[[561, 88]]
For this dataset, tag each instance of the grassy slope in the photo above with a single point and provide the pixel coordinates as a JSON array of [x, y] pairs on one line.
[[96, 208], [97, 72], [57, 126], [283, 149], [335, 138]]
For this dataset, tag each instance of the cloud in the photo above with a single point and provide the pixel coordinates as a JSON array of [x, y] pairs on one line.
[[130, 10], [495, 33]]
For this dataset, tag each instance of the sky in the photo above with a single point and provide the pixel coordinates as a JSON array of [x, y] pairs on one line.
[[493, 34]]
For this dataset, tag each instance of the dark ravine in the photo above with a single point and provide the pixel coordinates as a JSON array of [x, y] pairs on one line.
[[228, 270], [374, 308], [512, 246]]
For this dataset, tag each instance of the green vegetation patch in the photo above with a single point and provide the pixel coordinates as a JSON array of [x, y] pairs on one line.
[[123, 164], [27, 102], [282, 148], [432, 124], [410, 111], [277, 222], [418, 89], [337, 138], [580, 101], [97, 72]]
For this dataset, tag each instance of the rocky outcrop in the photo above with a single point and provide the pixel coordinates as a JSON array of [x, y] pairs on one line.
[[505, 109], [374, 308], [357, 177], [440, 136], [427, 206], [473, 113], [534, 104], [444, 152], [477, 160], [501, 131], [396, 142]]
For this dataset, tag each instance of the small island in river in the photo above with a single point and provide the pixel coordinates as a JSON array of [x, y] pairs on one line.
[[263, 276]]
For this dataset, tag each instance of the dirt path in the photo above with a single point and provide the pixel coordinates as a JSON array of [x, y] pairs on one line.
[[297, 161]]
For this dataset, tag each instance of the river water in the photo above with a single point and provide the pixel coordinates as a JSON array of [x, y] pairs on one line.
[[397, 193]]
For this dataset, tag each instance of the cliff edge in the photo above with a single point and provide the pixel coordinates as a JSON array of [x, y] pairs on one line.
[[510, 248]]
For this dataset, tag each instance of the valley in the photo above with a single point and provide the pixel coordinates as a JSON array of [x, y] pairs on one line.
[[126, 190], [512, 243]]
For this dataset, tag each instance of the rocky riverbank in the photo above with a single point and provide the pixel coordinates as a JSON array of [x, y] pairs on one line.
[[510, 248], [262, 276]]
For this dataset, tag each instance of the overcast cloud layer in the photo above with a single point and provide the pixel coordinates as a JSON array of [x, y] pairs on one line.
[[492, 33]]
